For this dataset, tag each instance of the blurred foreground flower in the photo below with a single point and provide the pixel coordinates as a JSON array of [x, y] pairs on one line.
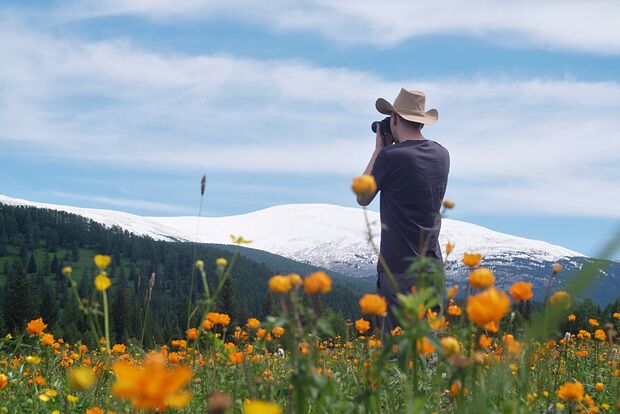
[[152, 386], [317, 282], [561, 299], [82, 378], [488, 306], [481, 278], [364, 185], [280, 284], [102, 261], [471, 259], [102, 282], [521, 291], [372, 304], [571, 391], [261, 407]]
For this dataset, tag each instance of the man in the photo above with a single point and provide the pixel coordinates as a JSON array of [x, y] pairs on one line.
[[412, 173]]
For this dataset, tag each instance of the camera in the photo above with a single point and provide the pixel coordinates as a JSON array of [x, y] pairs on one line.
[[385, 126]]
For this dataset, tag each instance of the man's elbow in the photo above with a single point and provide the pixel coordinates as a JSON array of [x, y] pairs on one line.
[[364, 201]]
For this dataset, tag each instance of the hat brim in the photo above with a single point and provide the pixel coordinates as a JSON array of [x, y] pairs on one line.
[[430, 117]]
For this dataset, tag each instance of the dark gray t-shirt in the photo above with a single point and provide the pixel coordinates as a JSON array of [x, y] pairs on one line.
[[412, 177]]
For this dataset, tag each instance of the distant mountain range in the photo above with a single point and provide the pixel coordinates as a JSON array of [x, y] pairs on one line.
[[335, 238]]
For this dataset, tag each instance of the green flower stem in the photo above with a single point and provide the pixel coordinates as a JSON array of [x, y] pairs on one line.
[[106, 320]]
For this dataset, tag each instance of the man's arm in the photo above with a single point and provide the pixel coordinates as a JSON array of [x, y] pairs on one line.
[[379, 144]]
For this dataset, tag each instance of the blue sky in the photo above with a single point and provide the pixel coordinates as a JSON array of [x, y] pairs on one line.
[[125, 104]]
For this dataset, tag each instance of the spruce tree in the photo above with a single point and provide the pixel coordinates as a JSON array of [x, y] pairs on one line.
[[32, 264], [19, 305], [48, 308]]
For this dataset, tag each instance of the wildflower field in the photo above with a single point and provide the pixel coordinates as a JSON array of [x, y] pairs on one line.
[[481, 350]]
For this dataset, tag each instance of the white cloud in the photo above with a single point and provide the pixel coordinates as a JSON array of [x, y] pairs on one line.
[[125, 202], [587, 26], [551, 143]]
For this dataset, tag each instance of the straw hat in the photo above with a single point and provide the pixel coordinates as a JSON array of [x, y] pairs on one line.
[[409, 105]]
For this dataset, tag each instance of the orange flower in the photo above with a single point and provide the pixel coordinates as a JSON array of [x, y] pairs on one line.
[[452, 291], [4, 381], [236, 357], [593, 322], [119, 348], [572, 317], [485, 341], [424, 346], [616, 315], [599, 386], [364, 185], [571, 391], [481, 278], [600, 335], [152, 386], [561, 299], [317, 282], [362, 325], [521, 291], [253, 323], [454, 310], [260, 334], [280, 284], [449, 248], [471, 259], [47, 339], [372, 304], [447, 203], [192, 333], [512, 345], [295, 279], [278, 331], [557, 268], [488, 306], [36, 326]]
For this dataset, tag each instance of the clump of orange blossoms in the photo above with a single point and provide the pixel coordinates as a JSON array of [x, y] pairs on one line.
[[364, 185], [521, 291], [471, 259], [317, 282], [571, 391], [152, 386], [253, 323], [481, 278], [372, 304], [36, 326], [488, 306], [560, 299]]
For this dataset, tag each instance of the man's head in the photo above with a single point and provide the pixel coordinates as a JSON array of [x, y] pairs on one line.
[[409, 105], [402, 127]]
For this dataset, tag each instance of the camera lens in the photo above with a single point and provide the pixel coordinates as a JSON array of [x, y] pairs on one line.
[[373, 126]]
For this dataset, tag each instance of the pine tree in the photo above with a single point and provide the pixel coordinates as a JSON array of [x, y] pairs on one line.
[[19, 305], [32, 264], [48, 309]]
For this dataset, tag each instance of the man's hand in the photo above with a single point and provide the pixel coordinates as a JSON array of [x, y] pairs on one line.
[[380, 142]]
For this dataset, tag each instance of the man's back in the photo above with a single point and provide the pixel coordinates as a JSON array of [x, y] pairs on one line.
[[412, 177]]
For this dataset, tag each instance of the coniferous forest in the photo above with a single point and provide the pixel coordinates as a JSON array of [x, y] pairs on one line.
[[35, 245]]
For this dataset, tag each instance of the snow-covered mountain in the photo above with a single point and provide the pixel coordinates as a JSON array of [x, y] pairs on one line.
[[335, 238]]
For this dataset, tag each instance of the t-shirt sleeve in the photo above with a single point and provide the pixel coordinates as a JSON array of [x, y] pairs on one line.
[[380, 170]]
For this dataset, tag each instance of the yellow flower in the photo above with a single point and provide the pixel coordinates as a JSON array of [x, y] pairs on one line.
[[447, 203], [572, 317], [33, 359], [362, 325], [280, 284], [253, 323], [557, 268], [561, 299], [152, 386], [471, 260], [488, 306], [102, 282], [450, 345], [599, 386], [261, 407], [82, 378], [372, 304], [364, 185], [221, 262], [521, 291], [67, 270], [200, 265], [481, 278], [36, 326], [571, 391], [449, 248], [72, 398], [102, 261], [296, 280], [318, 282], [239, 240]]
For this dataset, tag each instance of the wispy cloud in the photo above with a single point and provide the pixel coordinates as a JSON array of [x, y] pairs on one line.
[[587, 26], [115, 103], [124, 202]]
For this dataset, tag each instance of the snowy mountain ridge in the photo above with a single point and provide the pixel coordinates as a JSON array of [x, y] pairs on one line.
[[324, 235]]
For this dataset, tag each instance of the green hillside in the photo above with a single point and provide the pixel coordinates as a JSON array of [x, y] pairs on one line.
[[35, 244]]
